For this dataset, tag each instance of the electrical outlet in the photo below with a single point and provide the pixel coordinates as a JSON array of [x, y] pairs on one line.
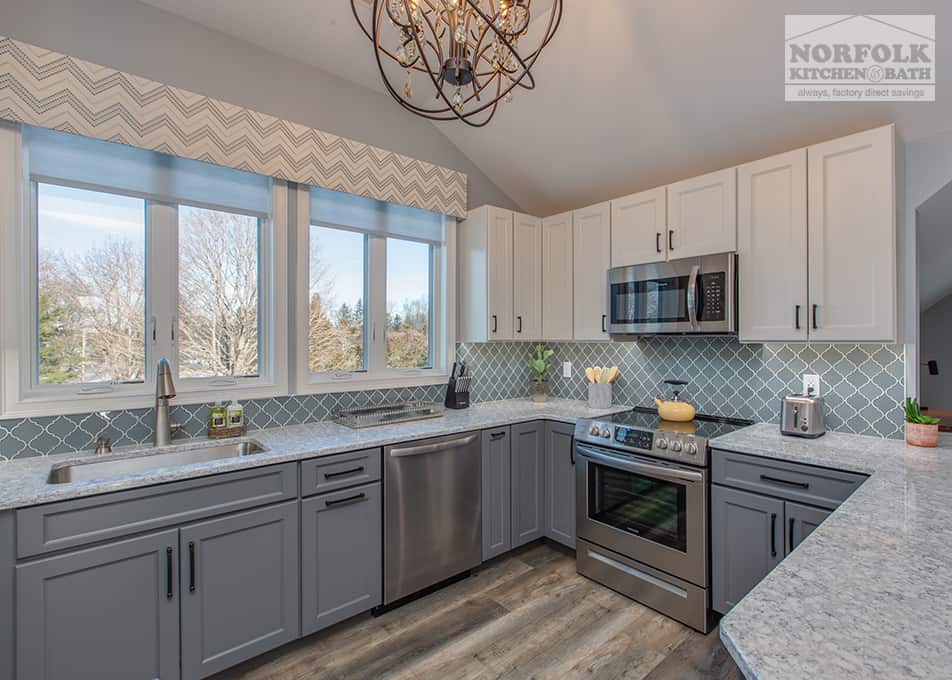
[[566, 369], [811, 384]]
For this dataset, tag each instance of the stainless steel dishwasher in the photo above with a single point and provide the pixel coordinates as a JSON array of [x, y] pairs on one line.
[[432, 512]]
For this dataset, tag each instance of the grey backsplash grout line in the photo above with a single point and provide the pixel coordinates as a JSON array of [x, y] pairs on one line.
[[862, 384]]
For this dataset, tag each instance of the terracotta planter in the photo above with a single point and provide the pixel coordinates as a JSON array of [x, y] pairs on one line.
[[918, 434]]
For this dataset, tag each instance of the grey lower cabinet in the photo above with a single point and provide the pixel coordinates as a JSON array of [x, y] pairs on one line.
[[527, 484], [104, 613], [341, 556], [496, 492], [240, 595], [800, 521], [559, 494]]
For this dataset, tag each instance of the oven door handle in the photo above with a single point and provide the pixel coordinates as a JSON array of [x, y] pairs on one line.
[[692, 296], [659, 471]]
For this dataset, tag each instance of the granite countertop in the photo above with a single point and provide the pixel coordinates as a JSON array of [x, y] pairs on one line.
[[869, 593], [23, 482]]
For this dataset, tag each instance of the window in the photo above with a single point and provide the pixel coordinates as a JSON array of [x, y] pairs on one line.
[[127, 256], [376, 289]]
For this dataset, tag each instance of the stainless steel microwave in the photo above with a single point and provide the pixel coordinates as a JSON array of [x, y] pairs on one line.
[[694, 295]]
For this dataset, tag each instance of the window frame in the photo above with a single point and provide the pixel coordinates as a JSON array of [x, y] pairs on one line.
[[376, 374], [23, 396]]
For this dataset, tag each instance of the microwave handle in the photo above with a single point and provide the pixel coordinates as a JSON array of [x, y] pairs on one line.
[[693, 296]]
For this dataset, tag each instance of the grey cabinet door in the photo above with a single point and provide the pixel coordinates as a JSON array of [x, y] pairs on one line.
[[746, 542], [239, 576], [559, 469], [528, 482], [341, 556], [496, 498], [801, 520], [104, 613]]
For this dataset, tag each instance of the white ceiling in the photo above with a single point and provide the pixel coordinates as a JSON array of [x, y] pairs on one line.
[[630, 94]]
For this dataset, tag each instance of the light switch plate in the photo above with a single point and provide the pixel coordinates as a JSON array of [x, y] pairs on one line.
[[566, 369], [811, 382]]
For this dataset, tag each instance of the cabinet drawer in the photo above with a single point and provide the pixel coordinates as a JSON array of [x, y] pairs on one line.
[[321, 475], [791, 481], [45, 528]]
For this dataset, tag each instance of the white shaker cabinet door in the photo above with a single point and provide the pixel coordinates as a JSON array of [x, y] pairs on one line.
[[527, 277], [852, 236], [772, 248], [499, 250], [557, 282], [639, 228], [592, 246], [702, 215]]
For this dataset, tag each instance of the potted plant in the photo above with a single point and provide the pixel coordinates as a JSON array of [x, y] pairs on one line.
[[921, 430], [539, 366]]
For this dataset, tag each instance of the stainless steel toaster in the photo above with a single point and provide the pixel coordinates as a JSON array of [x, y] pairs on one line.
[[802, 416]]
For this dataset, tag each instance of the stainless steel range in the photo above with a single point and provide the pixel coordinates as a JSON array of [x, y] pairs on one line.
[[642, 490]]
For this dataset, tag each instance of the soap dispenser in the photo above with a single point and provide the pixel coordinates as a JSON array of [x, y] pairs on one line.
[[236, 414]]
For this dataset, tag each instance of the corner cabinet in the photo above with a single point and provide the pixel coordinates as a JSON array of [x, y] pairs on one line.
[[591, 243], [527, 482], [557, 286], [702, 215]]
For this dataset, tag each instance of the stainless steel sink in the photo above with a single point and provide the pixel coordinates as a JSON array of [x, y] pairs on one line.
[[90, 469]]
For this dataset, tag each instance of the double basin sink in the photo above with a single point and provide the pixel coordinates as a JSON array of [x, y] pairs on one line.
[[115, 465]]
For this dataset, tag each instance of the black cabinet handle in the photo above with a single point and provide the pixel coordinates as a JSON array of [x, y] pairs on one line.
[[773, 534], [343, 473], [790, 540], [604, 322], [191, 567], [796, 318], [787, 482], [342, 501], [497, 435], [815, 327], [657, 241], [519, 319], [671, 239], [572, 454], [495, 325], [168, 573]]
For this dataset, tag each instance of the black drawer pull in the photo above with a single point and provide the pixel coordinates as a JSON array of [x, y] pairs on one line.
[[790, 541], [343, 473], [349, 499], [168, 573], [773, 534], [497, 435], [787, 482], [191, 567]]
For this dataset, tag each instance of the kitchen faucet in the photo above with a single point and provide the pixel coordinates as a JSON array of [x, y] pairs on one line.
[[164, 390]]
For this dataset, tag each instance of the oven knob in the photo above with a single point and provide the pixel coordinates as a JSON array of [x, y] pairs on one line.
[[676, 446], [662, 443], [690, 448], [606, 433], [594, 431]]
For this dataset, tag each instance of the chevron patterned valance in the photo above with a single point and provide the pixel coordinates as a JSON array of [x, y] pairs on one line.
[[52, 90]]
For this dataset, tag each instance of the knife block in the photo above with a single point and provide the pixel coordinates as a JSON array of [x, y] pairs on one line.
[[457, 392]]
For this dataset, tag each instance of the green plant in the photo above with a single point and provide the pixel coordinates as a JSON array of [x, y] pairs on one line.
[[914, 414], [539, 364]]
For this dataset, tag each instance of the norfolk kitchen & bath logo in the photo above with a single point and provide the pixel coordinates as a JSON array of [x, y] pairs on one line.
[[859, 57]]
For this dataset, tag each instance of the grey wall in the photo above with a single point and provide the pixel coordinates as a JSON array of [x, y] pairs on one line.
[[145, 41], [935, 338]]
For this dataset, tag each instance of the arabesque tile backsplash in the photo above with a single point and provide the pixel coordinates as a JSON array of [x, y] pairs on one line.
[[862, 384]]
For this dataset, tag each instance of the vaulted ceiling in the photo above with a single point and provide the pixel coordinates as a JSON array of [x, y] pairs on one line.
[[631, 94]]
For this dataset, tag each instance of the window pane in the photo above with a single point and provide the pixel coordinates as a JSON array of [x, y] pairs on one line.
[[336, 289], [218, 293], [408, 304], [90, 286]]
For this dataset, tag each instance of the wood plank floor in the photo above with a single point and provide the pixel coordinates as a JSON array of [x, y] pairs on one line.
[[527, 615]]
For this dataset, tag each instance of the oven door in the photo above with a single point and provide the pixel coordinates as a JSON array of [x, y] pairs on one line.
[[647, 510]]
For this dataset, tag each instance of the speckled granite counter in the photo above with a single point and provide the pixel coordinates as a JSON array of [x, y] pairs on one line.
[[23, 482], [869, 593]]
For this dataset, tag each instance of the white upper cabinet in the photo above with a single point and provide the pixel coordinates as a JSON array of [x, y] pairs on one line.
[[592, 260], [500, 274], [557, 284], [639, 228], [527, 277], [702, 215], [772, 248], [852, 236], [484, 275]]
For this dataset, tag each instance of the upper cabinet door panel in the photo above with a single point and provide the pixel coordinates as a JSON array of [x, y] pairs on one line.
[[592, 245], [772, 248], [557, 285], [527, 277], [638, 226], [702, 215], [500, 274], [852, 232]]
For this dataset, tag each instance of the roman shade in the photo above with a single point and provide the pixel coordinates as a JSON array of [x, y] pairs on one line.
[[338, 209]]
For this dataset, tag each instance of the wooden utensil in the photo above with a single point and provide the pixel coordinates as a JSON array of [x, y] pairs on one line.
[[598, 374], [590, 374]]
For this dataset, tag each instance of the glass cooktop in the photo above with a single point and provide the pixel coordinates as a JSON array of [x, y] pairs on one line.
[[645, 418]]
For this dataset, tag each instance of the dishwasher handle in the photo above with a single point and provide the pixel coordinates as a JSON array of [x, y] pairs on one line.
[[435, 447]]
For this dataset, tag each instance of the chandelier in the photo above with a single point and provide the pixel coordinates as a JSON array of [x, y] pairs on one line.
[[470, 52]]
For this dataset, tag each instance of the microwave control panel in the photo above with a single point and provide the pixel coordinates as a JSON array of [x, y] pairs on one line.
[[712, 292]]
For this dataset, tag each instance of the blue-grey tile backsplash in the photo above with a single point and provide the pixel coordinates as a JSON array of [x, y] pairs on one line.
[[862, 384]]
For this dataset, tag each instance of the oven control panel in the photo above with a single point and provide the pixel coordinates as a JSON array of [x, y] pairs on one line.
[[636, 439]]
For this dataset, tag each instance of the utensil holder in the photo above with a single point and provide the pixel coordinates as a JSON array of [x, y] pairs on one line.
[[600, 396]]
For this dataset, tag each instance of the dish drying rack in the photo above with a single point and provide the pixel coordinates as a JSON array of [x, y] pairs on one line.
[[386, 414]]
